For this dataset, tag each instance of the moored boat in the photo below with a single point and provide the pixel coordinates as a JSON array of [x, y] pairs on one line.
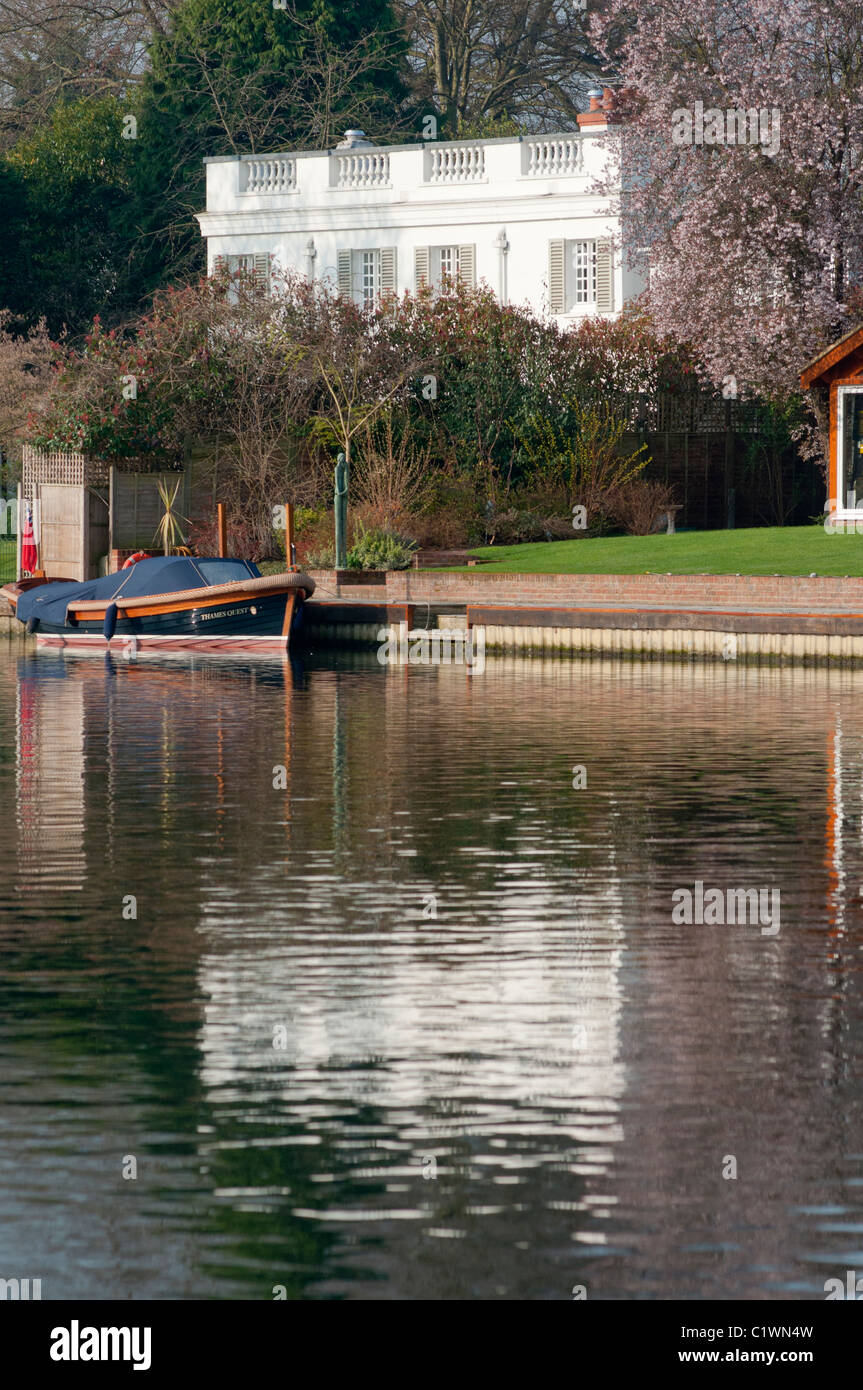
[[166, 601]]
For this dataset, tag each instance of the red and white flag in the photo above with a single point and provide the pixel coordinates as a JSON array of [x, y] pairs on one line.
[[29, 555]]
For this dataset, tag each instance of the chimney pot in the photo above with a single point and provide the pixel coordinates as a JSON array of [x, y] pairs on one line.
[[354, 140]]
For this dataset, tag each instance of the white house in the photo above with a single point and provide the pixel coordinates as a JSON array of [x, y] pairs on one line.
[[519, 213]]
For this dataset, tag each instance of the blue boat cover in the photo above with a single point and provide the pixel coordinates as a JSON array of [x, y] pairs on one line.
[[163, 574]]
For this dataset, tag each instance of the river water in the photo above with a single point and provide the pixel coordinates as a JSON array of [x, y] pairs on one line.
[[339, 980]]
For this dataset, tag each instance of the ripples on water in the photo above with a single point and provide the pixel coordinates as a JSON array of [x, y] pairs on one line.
[[418, 1024]]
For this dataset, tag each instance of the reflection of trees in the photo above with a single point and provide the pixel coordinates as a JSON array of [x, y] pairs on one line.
[[113, 1006]]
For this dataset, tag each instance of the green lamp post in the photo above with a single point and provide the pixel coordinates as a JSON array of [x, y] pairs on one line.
[[340, 498]]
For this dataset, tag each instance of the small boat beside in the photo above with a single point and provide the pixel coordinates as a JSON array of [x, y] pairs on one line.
[[166, 601]]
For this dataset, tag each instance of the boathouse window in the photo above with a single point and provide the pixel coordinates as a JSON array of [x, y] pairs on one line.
[[850, 443], [580, 276]]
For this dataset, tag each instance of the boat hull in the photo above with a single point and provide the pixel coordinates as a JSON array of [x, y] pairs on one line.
[[144, 642], [255, 612], [257, 620]]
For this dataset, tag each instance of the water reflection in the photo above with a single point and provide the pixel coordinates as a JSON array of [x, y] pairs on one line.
[[49, 794], [402, 1012]]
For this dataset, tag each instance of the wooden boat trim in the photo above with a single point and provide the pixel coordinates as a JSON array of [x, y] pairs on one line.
[[153, 606], [207, 596]]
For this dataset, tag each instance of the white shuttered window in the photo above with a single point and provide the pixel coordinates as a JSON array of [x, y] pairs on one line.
[[421, 266], [389, 272], [261, 269], [366, 273], [582, 259], [557, 276], [467, 265], [438, 265], [256, 263], [580, 276], [345, 273], [604, 277]]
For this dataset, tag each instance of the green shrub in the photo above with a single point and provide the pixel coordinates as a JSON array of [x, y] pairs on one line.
[[581, 451], [379, 549], [454, 514], [320, 559]]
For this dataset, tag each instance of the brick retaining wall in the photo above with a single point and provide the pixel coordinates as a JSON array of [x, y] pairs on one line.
[[746, 592]]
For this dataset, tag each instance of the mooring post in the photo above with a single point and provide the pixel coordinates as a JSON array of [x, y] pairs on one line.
[[290, 605], [290, 548], [223, 528]]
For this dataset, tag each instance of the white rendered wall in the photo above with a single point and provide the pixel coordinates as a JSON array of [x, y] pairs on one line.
[[405, 210]]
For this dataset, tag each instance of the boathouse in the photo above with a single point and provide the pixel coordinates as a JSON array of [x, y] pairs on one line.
[[838, 374]]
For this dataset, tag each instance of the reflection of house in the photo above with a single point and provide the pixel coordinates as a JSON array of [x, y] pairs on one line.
[[508, 971], [521, 214]]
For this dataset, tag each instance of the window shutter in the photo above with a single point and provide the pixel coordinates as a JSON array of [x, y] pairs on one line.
[[220, 264], [344, 272], [389, 262], [556, 276], [467, 265], [421, 266], [262, 271], [604, 278]]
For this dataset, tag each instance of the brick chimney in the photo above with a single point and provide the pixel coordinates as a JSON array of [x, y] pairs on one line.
[[602, 110]]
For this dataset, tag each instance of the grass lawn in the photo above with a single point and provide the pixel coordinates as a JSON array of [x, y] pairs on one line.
[[762, 550], [8, 560]]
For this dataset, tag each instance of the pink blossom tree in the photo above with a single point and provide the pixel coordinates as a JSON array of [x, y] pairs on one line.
[[755, 249]]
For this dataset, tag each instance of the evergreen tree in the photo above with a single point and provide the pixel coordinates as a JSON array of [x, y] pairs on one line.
[[238, 77], [68, 219]]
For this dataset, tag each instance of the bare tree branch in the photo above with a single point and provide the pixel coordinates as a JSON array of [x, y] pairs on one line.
[[483, 59]]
